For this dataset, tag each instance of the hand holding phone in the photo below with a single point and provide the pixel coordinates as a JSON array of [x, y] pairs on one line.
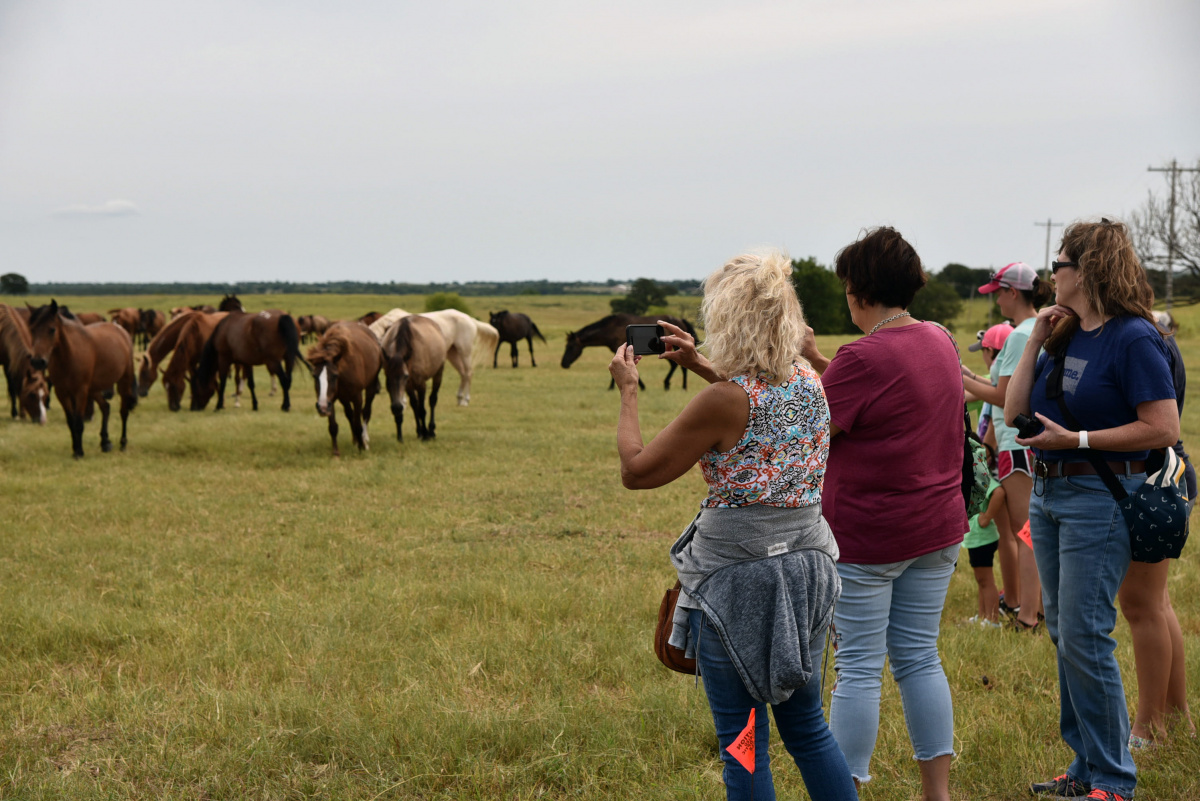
[[645, 339]]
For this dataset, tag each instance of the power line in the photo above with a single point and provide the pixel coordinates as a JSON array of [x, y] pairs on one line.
[[1049, 224], [1174, 169]]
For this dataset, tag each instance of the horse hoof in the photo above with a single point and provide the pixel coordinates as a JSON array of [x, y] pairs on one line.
[[106, 447]]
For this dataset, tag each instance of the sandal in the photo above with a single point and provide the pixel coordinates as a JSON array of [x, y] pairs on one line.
[[1022, 626]]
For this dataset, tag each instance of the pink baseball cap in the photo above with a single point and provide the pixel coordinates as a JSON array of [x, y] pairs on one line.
[[992, 338], [1017, 275]]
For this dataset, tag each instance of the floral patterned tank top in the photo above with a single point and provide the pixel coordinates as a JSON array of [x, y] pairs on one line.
[[780, 460]]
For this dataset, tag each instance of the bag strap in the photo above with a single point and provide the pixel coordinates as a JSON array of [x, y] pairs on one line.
[[1054, 391]]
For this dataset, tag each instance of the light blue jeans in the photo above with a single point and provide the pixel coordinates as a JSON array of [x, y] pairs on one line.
[[1081, 543], [894, 611]]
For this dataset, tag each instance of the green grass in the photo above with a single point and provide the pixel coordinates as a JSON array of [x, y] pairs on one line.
[[225, 611]]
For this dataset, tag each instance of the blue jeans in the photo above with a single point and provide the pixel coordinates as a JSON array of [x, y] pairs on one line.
[[1081, 543], [894, 611], [800, 721]]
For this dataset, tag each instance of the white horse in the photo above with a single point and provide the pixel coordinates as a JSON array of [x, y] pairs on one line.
[[460, 332]]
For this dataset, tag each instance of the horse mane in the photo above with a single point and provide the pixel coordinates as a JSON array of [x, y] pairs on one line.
[[206, 370], [332, 345], [13, 331], [386, 321], [166, 339]]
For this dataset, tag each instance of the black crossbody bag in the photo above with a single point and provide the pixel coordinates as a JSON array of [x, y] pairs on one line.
[[1157, 511]]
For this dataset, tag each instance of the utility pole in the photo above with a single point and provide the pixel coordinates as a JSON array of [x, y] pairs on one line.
[[1049, 225], [1174, 169]]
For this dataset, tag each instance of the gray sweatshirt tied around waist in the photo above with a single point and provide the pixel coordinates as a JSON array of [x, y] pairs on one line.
[[765, 576]]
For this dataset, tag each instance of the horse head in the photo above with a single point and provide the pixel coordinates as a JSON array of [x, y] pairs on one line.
[[573, 351], [35, 393], [147, 372], [44, 331], [174, 385], [231, 303], [496, 319]]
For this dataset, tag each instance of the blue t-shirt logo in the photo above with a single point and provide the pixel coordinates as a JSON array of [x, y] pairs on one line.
[[1072, 373]]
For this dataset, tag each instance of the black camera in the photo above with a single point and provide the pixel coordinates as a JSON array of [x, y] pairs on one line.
[[645, 339], [1027, 426]]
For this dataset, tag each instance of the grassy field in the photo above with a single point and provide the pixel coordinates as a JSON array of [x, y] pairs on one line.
[[224, 611]]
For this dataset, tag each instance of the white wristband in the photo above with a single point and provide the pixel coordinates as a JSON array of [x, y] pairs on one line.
[[1083, 443]]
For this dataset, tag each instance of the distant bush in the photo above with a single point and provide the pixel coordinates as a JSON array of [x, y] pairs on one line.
[[446, 300], [822, 296], [938, 302]]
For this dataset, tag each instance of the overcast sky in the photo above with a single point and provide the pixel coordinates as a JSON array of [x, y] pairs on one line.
[[143, 140]]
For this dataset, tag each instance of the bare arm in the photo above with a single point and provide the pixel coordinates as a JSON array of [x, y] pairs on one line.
[[982, 387], [1157, 426], [1016, 396], [714, 419], [812, 354], [995, 504]]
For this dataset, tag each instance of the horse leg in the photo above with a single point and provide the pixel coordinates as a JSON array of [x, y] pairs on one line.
[[462, 364], [271, 394], [354, 415], [667, 380], [285, 381], [512, 351], [126, 405], [641, 385], [239, 383], [496, 353], [105, 407], [73, 412], [529, 339], [684, 371], [333, 428], [224, 376], [12, 391], [433, 397], [393, 387], [250, 386]]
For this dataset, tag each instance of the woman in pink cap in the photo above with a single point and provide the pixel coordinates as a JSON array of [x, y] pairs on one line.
[[1019, 293]]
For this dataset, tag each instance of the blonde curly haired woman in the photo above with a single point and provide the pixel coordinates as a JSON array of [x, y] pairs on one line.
[[757, 565]]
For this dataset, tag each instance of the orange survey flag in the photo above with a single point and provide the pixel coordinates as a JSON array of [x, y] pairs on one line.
[[742, 748]]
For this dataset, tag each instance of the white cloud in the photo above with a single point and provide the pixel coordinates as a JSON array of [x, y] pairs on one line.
[[109, 208]]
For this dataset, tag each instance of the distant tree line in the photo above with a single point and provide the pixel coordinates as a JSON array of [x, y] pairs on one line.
[[824, 299], [469, 289]]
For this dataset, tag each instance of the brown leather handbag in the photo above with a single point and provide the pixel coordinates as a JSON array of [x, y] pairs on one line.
[[668, 654]]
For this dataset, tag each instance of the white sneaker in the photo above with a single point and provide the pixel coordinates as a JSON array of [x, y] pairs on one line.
[[983, 622]]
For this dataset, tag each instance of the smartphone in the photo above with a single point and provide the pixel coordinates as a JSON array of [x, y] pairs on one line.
[[645, 339]]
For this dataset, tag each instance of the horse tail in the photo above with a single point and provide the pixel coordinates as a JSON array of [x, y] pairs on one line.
[[291, 341], [488, 337], [536, 332]]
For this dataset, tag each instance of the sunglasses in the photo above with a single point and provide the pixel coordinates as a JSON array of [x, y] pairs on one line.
[[1055, 266]]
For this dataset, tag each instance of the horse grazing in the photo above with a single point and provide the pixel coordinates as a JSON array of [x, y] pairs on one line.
[[610, 332], [84, 362], [247, 339], [163, 343], [345, 364], [27, 387], [190, 344], [512, 328], [467, 341], [414, 352]]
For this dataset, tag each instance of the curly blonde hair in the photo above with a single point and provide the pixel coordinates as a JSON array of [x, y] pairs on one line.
[[752, 318], [1111, 276]]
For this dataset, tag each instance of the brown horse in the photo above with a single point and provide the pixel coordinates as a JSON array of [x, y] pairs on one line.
[[345, 364], [513, 327], [610, 332], [247, 339], [415, 352], [84, 362], [369, 317], [312, 326], [87, 318], [230, 303], [150, 322], [128, 318], [27, 388], [163, 343], [188, 347]]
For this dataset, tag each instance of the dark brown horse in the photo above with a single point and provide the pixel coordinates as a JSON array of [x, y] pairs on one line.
[[345, 364], [247, 339], [415, 352], [188, 347], [610, 332], [27, 388], [150, 322], [84, 363], [163, 343], [228, 303], [513, 327], [369, 317], [87, 318]]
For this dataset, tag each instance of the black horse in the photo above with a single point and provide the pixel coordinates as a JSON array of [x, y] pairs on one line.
[[610, 332], [513, 327]]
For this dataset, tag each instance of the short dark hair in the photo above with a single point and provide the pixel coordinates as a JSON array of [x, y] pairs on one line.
[[881, 268]]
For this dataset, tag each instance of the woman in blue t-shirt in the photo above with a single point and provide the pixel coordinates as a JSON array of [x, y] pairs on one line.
[[1117, 384]]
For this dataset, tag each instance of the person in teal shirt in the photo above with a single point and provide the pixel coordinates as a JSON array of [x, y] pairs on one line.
[[981, 542]]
